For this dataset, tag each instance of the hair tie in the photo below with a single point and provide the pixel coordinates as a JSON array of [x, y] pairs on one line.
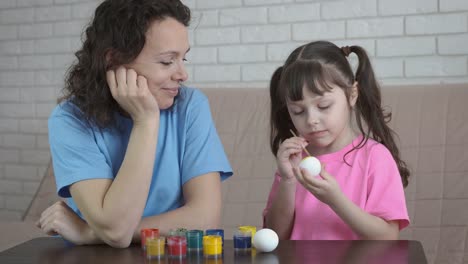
[[346, 50]]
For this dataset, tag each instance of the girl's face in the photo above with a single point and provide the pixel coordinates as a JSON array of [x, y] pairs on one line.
[[325, 121], [162, 59]]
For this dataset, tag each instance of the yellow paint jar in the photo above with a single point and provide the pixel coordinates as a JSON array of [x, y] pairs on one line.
[[212, 246], [155, 247], [252, 229]]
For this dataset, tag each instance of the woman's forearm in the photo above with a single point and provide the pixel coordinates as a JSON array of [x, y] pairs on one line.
[[115, 216]]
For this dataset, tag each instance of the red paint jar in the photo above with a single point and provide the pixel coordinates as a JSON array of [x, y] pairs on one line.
[[177, 246]]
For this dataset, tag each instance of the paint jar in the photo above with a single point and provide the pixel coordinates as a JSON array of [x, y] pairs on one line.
[[252, 230], [242, 240], [155, 247], [146, 233], [194, 240], [212, 246], [177, 245], [218, 232]]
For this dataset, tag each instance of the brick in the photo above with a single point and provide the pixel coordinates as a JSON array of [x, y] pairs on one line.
[[258, 72], [436, 66], [52, 45], [9, 95], [200, 55], [18, 202], [401, 7], [453, 5], [17, 16], [215, 36], [44, 110], [9, 155], [24, 172], [242, 54], [451, 45], [42, 142], [264, 2], [53, 13], [217, 73], [69, 28], [436, 24], [35, 62], [294, 13], [30, 3], [19, 141], [409, 46], [267, 33], [243, 16], [48, 78], [16, 110], [8, 63], [8, 32], [84, 10], [388, 68], [62, 61], [11, 187], [39, 157], [218, 4], [37, 30], [16, 47], [349, 9], [7, 4], [35, 126], [367, 44], [39, 94], [281, 51], [319, 30], [9, 125], [377, 27], [25, 78], [204, 18]]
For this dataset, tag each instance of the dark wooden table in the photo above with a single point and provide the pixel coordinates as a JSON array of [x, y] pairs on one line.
[[55, 250]]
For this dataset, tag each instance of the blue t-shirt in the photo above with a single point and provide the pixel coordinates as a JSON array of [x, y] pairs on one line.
[[188, 146]]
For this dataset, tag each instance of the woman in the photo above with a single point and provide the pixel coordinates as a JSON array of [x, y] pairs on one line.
[[131, 147]]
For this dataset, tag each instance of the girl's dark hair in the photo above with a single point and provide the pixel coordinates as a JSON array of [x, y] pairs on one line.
[[115, 36], [319, 66]]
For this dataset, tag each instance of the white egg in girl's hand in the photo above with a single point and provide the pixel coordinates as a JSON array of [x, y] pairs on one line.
[[312, 165], [265, 240]]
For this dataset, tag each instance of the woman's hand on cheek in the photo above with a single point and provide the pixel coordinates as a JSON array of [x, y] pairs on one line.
[[324, 188], [131, 92]]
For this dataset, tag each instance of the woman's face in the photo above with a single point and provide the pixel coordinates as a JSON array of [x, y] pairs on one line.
[[162, 59]]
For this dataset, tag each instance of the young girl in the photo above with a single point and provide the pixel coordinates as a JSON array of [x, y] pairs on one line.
[[339, 119]]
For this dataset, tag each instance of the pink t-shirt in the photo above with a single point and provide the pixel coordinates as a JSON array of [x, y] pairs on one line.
[[372, 182]]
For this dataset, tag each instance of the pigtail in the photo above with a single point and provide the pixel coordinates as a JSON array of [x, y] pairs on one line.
[[279, 113], [274, 111], [369, 107]]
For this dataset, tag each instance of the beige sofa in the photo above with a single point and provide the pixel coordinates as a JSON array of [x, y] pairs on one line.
[[431, 120]]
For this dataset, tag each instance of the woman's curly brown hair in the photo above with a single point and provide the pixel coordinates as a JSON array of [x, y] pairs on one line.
[[115, 37]]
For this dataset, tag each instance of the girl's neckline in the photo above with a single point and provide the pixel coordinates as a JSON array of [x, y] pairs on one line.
[[340, 153]]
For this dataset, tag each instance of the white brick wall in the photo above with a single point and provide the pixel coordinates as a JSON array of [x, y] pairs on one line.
[[234, 43]]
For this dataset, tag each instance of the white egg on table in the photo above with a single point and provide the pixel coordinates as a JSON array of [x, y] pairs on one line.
[[265, 240], [312, 165]]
